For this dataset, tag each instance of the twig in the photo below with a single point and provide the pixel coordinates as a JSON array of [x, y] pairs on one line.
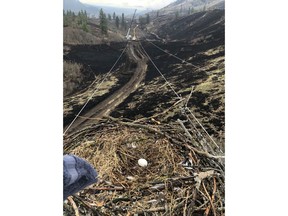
[[185, 206], [115, 188], [192, 88], [200, 137], [88, 205], [160, 185], [192, 203], [214, 188], [212, 196], [162, 113], [159, 209], [204, 153], [201, 206], [185, 129], [203, 129], [183, 178], [211, 201], [73, 205], [136, 125]]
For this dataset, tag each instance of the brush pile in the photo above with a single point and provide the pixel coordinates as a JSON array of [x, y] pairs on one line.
[[184, 175]]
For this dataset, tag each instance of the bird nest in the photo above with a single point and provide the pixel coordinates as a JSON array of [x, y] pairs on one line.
[[178, 180]]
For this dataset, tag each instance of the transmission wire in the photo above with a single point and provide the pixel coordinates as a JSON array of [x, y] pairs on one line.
[[95, 90]]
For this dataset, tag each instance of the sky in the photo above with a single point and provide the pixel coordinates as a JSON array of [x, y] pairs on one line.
[[144, 4]]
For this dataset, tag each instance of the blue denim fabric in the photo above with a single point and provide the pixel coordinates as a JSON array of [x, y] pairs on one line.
[[77, 174]]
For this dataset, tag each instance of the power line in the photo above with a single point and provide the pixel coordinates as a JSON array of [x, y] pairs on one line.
[[182, 60], [160, 73], [180, 99], [95, 90], [186, 108], [132, 18]]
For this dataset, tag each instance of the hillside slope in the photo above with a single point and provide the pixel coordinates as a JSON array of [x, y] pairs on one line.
[[76, 6], [206, 25], [183, 6]]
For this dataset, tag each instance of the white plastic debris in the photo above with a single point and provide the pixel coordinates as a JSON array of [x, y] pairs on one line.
[[142, 162]]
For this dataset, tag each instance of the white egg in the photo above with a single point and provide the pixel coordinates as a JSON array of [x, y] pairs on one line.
[[142, 162]]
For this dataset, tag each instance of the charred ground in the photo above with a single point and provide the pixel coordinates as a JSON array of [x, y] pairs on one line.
[[198, 38]]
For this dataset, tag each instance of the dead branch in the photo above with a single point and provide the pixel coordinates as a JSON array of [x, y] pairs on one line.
[[203, 153], [185, 206], [162, 113], [185, 129], [73, 205], [200, 138], [159, 209], [192, 88], [211, 202], [151, 129], [212, 198], [115, 188], [87, 205]]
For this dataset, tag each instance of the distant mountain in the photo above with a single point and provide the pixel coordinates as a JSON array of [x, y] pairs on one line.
[[118, 10], [76, 6], [182, 6]]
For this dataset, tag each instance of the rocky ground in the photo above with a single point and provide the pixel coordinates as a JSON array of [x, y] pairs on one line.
[[135, 113]]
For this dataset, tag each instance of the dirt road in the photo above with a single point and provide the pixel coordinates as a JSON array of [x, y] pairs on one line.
[[138, 64]]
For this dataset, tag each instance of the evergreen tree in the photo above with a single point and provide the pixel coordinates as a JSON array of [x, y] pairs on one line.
[[73, 15], [123, 24], [204, 8], [117, 22], [114, 16], [109, 17], [103, 22], [68, 18], [85, 21], [85, 27], [82, 19], [65, 19], [142, 20], [176, 14], [76, 21], [147, 18]]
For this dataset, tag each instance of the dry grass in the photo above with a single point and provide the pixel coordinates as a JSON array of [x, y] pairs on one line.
[[74, 36], [78, 36], [81, 97], [72, 76], [115, 155]]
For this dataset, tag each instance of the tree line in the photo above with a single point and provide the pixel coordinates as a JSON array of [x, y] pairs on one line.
[[104, 21], [144, 20], [80, 20], [70, 19]]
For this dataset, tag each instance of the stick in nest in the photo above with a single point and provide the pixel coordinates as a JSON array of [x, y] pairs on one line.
[[211, 199], [73, 205], [204, 153]]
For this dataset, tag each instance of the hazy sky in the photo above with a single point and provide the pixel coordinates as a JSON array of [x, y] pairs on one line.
[[155, 4]]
